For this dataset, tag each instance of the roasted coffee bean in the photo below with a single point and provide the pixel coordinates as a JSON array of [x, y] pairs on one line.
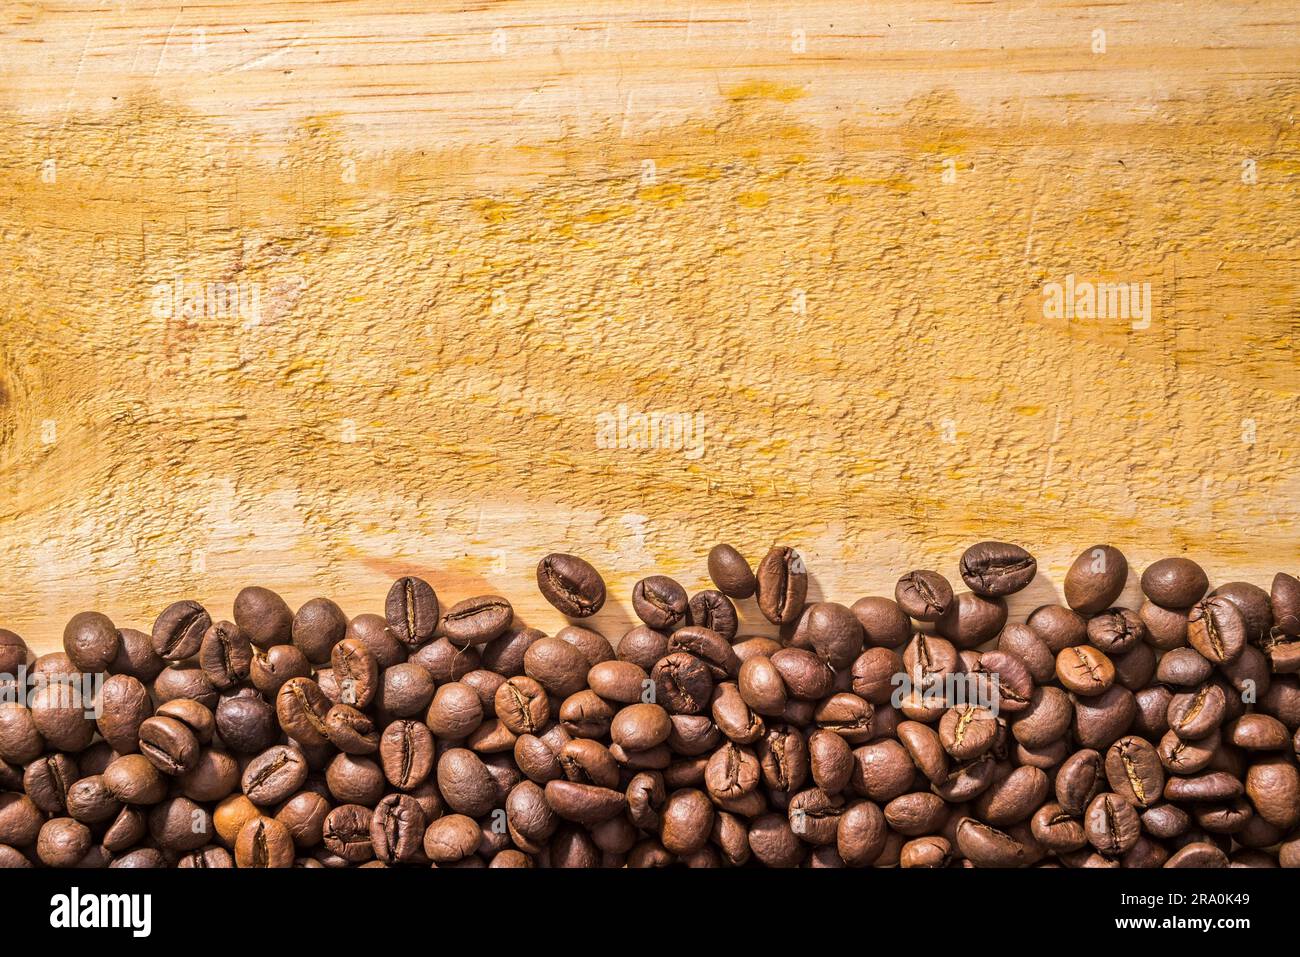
[[246, 723], [1134, 771], [1111, 739], [63, 842], [411, 610], [270, 669], [996, 569], [178, 631], [135, 656], [397, 829], [966, 732], [683, 683], [709, 647], [1116, 631], [782, 585], [924, 595], [90, 640], [20, 820], [1111, 824], [123, 705], [1006, 680], [476, 621], [226, 655], [884, 623], [169, 745], [1217, 629], [455, 712], [586, 715], [1285, 600], [585, 804], [1175, 582], [557, 666], [618, 681], [406, 754], [571, 585], [830, 630], [1196, 713], [1095, 579], [713, 610], [301, 707], [986, 846], [273, 775], [972, 619], [317, 627], [263, 616], [731, 573], [1253, 603], [133, 779], [13, 652], [1085, 670], [660, 602], [264, 842]]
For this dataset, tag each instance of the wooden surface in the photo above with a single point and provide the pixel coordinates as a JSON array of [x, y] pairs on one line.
[[474, 231]]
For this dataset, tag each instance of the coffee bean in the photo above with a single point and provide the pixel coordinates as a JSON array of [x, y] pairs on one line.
[[397, 829], [997, 569], [476, 621], [884, 623], [986, 846], [264, 842], [273, 775], [1116, 631], [226, 655], [782, 585], [714, 611], [924, 595], [455, 712], [1253, 603], [317, 627], [411, 609], [832, 631], [731, 573], [972, 619], [1111, 824], [301, 707], [660, 602], [1084, 670], [178, 631], [557, 666], [1285, 600], [1095, 579], [169, 745], [90, 640], [406, 754], [571, 585], [683, 684], [123, 705], [1165, 737], [263, 616], [1217, 629]]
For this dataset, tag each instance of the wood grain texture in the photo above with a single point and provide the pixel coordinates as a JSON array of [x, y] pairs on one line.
[[474, 231]]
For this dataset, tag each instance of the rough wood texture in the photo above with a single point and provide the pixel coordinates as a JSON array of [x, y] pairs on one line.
[[469, 245]]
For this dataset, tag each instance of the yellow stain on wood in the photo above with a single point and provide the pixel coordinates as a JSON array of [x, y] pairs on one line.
[[346, 337]]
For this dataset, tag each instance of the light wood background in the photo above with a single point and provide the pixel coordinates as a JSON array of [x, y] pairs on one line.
[[823, 227]]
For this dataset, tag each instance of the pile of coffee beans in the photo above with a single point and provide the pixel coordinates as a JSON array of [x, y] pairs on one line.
[[918, 730]]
